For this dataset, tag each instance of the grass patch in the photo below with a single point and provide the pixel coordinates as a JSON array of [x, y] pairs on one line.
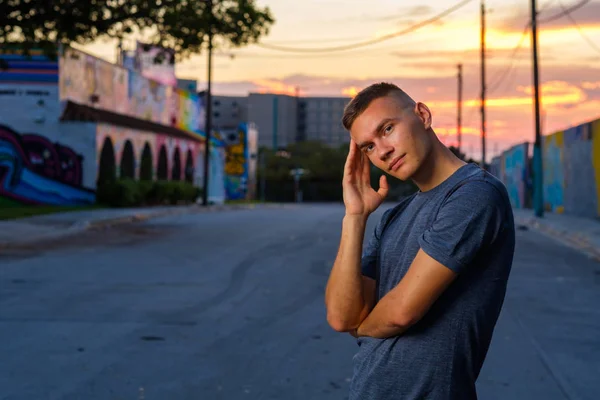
[[10, 209]]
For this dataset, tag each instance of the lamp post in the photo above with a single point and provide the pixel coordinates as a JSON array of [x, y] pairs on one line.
[[208, 127]]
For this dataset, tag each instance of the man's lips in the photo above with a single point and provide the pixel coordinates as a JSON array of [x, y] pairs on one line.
[[396, 162]]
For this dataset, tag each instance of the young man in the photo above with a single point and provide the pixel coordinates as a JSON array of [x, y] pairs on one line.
[[424, 297]]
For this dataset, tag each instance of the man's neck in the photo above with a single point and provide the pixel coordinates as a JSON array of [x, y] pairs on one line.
[[439, 166]]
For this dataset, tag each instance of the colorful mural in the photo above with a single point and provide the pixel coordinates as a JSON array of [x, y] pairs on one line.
[[91, 81], [571, 170], [236, 162], [554, 181], [511, 167], [33, 170], [156, 63], [35, 68]]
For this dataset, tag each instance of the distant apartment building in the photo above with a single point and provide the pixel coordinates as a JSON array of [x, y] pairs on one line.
[[321, 120], [275, 117], [282, 119], [229, 111]]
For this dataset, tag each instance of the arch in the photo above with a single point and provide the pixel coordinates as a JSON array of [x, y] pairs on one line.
[[107, 171], [176, 169], [146, 164], [127, 164], [189, 167], [162, 169]]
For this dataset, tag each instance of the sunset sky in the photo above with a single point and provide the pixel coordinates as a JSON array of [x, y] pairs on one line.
[[424, 62]]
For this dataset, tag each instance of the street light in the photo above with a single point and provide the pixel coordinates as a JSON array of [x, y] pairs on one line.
[[208, 127]]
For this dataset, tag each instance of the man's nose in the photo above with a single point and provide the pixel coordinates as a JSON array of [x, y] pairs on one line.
[[385, 151]]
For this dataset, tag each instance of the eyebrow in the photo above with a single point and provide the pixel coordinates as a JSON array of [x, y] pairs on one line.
[[379, 128]]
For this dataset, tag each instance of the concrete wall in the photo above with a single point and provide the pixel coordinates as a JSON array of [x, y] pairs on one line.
[[572, 170], [44, 161], [512, 169]]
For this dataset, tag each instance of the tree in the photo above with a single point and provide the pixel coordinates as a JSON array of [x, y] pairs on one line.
[[178, 24]]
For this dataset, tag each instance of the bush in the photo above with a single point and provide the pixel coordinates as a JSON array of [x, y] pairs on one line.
[[130, 193]]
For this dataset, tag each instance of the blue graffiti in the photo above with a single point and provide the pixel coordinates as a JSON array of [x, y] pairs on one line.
[[34, 171]]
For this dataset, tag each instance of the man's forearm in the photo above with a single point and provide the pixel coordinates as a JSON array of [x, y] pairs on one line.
[[344, 297], [383, 322]]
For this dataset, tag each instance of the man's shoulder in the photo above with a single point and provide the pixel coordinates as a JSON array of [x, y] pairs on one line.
[[479, 188]]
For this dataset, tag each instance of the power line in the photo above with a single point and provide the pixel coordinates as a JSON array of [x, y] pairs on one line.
[[587, 39], [564, 12], [501, 76], [371, 41]]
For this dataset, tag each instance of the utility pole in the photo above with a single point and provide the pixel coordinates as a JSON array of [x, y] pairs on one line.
[[208, 127], [482, 84], [538, 179], [459, 116]]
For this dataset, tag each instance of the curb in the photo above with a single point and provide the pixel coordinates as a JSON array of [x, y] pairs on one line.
[[573, 240], [83, 226]]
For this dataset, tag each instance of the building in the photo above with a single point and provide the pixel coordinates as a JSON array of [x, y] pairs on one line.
[[282, 119], [320, 119], [229, 111], [276, 118], [64, 123]]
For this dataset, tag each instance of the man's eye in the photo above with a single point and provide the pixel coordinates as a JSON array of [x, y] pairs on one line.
[[388, 128], [369, 148]]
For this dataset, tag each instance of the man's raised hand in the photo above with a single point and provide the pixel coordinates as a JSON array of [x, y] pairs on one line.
[[360, 198]]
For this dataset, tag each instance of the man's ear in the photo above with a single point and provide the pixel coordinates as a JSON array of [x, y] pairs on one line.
[[424, 114]]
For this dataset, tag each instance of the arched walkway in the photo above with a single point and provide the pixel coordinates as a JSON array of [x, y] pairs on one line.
[[176, 169], [146, 164], [107, 171], [162, 169], [189, 167], [127, 164]]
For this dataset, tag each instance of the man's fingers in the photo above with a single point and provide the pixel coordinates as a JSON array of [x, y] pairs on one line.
[[350, 165], [383, 187], [366, 169]]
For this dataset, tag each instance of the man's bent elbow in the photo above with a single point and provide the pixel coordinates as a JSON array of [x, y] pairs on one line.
[[340, 324]]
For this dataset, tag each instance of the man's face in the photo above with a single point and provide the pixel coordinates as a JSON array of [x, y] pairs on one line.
[[393, 136]]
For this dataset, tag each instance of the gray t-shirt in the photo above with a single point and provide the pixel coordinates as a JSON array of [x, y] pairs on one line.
[[466, 223]]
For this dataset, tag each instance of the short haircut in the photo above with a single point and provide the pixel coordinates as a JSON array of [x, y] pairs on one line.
[[366, 96]]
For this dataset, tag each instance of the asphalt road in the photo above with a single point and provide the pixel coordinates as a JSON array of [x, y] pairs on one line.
[[229, 305]]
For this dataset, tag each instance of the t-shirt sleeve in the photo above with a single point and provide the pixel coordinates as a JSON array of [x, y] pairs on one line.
[[468, 220], [371, 250]]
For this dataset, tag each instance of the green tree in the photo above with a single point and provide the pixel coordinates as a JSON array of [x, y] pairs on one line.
[[324, 180], [182, 25]]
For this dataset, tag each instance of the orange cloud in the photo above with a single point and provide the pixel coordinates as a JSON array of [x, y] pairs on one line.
[[554, 93], [350, 91], [591, 85], [277, 87]]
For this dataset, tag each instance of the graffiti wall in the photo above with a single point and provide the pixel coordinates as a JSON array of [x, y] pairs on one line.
[[119, 137], [571, 170], [512, 168], [43, 161], [236, 162], [35, 170], [156, 63], [35, 69], [87, 80]]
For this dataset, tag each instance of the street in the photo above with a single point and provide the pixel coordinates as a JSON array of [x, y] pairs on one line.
[[229, 305]]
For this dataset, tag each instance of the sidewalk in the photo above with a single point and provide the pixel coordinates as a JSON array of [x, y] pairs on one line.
[[580, 233], [25, 231]]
